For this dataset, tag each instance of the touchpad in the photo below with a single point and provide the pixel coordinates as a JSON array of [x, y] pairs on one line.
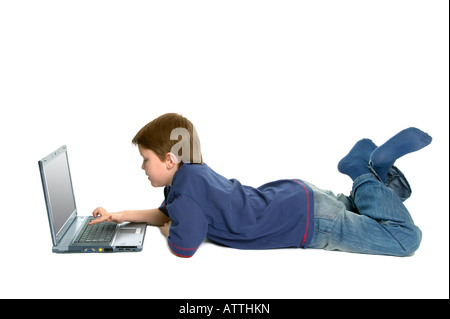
[[130, 230]]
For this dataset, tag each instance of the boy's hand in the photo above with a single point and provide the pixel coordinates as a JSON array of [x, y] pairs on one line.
[[165, 229], [105, 216]]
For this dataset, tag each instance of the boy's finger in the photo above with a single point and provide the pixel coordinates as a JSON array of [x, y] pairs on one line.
[[97, 220], [95, 213]]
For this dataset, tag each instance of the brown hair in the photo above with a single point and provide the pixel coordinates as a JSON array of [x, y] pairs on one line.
[[156, 136]]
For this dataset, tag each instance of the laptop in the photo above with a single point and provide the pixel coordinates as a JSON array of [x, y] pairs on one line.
[[70, 232]]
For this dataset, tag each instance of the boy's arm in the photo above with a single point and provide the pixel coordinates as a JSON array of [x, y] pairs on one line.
[[188, 227], [153, 217], [150, 216]]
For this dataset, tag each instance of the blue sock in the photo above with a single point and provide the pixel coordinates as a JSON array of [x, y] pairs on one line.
[[407, 141], [356, 162]]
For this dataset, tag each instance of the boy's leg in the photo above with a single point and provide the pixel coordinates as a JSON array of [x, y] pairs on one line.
[[391, 230], [398, 183], [384, 225], [365, 156]]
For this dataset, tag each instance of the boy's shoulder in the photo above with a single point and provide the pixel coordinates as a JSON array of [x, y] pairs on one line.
[[199, 180], [190, 175], [191, 170]]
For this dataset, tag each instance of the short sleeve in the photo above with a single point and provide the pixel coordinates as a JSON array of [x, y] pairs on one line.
[[163, 206], [188, 228]]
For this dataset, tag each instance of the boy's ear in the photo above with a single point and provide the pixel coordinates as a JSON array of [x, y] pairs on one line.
[[171, 160]]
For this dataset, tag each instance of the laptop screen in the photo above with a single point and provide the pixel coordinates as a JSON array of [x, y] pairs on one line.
[[59, 189]]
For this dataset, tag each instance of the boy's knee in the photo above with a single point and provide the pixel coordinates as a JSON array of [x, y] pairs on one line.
[[412, 243]]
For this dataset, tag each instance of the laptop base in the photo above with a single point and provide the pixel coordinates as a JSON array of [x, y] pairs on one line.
[[129, 238]]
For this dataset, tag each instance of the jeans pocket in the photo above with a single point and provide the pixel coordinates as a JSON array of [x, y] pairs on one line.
[[327, 207], [327, 210]]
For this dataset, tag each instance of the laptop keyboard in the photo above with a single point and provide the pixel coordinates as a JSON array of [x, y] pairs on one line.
[[97, 233]]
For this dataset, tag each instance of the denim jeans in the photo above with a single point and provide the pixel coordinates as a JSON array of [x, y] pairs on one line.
[[372, 220]]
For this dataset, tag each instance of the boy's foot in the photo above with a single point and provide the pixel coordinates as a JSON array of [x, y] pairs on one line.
[[356, 162], [407, 141]]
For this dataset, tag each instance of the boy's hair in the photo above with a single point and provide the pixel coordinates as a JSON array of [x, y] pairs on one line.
[[161, 134]]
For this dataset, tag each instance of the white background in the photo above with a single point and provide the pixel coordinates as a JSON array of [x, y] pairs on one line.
[[276, 89]]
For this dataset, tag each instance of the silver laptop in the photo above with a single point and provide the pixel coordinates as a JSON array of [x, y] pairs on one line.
[[70, 232]]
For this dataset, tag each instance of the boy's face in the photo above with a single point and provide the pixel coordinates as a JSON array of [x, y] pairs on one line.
[[160, 173]]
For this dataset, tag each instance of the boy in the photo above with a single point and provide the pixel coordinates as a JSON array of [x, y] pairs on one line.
[[200, 203]]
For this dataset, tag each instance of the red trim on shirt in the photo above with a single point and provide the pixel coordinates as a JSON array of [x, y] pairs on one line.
[[307, 209], [179, 254], [183, 248]]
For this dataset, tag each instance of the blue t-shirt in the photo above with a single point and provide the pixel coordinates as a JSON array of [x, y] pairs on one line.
[[202, 203]]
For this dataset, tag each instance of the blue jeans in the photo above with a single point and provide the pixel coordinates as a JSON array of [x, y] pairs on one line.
[[372, 220]]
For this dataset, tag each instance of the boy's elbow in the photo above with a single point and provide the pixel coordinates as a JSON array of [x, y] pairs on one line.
[[181, 256], [181, 251]]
